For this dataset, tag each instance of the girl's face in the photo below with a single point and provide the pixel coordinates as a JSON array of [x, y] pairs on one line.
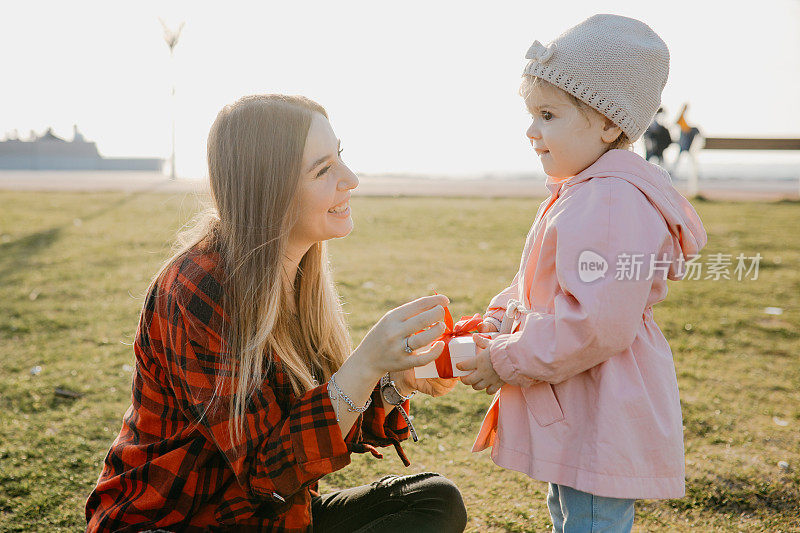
[[325, 188], [566, 139]]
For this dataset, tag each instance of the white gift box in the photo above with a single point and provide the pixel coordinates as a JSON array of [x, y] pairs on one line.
[[461, 349]]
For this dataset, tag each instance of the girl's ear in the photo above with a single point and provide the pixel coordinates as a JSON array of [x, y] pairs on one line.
[[611, 131]]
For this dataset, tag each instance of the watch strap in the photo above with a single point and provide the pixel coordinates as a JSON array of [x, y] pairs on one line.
[[386, 381], [408, 421]]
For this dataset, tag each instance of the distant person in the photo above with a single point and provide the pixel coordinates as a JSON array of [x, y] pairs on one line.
[[687, 136], [657, 139], [246, 389], [588, 396]]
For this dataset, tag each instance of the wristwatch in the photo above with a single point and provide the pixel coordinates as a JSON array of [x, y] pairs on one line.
[[392, 396]]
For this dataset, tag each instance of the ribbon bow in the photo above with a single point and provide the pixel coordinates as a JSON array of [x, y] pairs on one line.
[[465, 326], [539, 52]]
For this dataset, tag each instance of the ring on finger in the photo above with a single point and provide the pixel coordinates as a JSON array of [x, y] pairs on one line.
[[407, 348]]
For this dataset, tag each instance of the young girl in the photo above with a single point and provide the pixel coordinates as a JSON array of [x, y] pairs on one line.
[[589, 398]]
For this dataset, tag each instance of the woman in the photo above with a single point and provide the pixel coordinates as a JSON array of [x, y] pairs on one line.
[[245, 391]]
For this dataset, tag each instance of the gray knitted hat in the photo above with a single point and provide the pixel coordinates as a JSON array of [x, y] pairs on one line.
[[617, 65]]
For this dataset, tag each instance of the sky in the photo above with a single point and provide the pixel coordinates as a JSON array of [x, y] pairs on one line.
[[411, 87]]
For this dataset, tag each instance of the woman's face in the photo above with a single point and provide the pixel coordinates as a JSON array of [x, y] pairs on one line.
[[325, 185]]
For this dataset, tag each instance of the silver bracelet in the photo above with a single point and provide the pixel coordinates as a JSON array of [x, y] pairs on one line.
[[494, 321], [406, 398], [341, 394]]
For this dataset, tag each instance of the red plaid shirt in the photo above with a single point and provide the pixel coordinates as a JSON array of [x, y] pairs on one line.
[[173, 465]]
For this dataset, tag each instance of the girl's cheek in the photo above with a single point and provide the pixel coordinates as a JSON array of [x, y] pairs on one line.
[[577, 123]]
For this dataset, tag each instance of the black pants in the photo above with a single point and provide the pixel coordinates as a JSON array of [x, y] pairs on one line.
[[420, 503]]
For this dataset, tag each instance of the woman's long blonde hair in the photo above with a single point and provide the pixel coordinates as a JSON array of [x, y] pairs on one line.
[[255, 150]]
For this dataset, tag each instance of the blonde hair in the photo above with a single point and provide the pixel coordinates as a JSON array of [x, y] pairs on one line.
[[531, 83], [255, 150]]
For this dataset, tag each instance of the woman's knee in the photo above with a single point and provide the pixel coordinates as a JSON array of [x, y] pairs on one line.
[[439, 495]]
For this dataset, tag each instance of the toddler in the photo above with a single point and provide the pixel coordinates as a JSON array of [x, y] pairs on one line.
[[588, 396]]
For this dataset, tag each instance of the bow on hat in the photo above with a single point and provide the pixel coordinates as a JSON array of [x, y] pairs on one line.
[[540, 53]]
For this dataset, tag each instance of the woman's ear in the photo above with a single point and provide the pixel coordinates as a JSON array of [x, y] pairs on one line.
[[611, 131]]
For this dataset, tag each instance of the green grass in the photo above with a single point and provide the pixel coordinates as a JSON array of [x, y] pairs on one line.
[[73, 269]]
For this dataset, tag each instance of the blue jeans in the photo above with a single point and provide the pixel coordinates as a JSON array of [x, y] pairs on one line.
[[574, 511]]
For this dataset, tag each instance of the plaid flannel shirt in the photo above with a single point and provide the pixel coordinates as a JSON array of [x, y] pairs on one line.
[[173, 464]]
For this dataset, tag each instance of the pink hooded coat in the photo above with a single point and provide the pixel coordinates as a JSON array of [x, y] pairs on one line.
[[591, 399]]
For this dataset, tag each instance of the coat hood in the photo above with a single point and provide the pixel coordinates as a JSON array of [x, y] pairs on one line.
[[655, 183]]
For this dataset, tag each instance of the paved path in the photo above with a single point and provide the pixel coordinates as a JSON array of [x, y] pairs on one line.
[[82, 181]]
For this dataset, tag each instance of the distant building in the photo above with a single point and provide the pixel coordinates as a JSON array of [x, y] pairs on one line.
[[50, 152]]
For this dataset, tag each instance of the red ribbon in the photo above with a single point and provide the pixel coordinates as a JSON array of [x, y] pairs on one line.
[[466, 326]]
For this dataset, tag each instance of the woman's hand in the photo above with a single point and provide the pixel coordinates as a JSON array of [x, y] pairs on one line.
[[406, 382], [419, 323], [383, 350]]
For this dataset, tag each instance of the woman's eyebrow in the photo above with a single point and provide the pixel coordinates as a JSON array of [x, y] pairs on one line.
[[324, 157]]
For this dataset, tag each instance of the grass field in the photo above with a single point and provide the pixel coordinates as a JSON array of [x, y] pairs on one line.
[[73, 269]]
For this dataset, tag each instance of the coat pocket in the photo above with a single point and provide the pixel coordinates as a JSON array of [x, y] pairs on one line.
[[542, 402]]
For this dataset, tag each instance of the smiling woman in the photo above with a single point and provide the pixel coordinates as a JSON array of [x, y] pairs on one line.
[[246, 390], [326, 201]]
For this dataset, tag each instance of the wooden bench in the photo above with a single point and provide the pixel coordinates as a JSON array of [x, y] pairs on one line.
[[740, 143], [737, 143]]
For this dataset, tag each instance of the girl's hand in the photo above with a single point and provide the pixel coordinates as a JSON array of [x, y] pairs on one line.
[[383, 348], [487, 327], [483, 375]]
